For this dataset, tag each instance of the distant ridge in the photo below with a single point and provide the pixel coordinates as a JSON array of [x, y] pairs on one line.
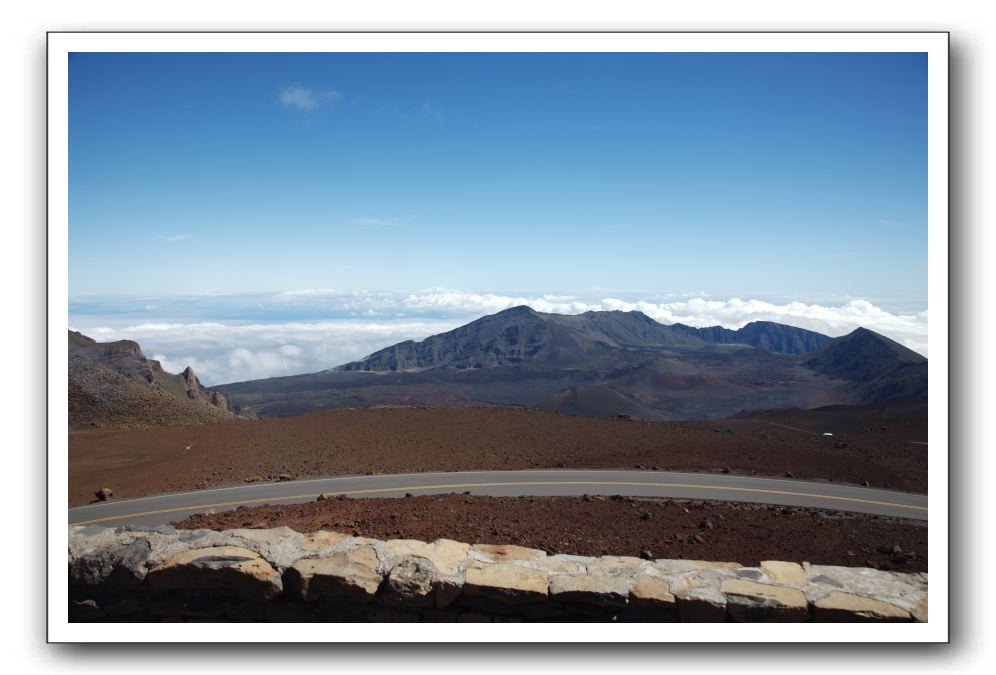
[[768, 335], [523, 335], [604, 363]]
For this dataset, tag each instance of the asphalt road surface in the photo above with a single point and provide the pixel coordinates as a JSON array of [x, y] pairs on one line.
[[164, 508]]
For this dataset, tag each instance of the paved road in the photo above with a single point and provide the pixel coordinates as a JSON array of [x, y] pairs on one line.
[[165, 508]]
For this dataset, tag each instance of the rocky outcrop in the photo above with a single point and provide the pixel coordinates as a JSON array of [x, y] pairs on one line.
[[278, 574], [218, 400], [191, 383], [114, 384]]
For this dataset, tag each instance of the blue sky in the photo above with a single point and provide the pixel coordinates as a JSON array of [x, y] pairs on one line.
[[252, 215], [736, 175]]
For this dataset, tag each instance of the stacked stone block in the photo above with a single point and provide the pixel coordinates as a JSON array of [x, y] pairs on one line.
[[164, 574]]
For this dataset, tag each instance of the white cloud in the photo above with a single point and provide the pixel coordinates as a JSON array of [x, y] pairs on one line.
[[221, 353], [476, 303], [368, 223], [290, 351], [306, 98], [311, 292], [433, 112]]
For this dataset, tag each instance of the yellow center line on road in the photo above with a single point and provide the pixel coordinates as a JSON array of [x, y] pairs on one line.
[[473, 485]]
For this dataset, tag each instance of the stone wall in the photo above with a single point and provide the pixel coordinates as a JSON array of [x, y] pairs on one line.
[[153, 574]]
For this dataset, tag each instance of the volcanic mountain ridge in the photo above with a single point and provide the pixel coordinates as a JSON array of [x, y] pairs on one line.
[[523, 335], [601, 363]]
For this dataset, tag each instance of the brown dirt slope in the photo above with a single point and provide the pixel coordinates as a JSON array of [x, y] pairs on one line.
[[395, 440], [619, 526]]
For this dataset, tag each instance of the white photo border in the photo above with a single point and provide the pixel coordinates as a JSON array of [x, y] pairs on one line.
[[61, 44]]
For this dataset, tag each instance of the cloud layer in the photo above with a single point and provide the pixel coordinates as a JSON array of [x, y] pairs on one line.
[[235, 338], [221, 353]]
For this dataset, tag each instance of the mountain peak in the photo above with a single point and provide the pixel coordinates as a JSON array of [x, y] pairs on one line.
[[869, 339], [885, 368], [862, 333], [518, 310]]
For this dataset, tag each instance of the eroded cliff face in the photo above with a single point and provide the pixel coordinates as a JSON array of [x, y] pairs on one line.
[[193, 385], [197, 392], [219, 401], [114, 384]]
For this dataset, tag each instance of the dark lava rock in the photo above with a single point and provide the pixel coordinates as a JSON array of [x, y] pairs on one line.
[[84, 611], [646, 555]]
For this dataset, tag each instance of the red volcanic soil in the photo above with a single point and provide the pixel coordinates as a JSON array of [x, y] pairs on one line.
[[134, 463], [740, 533]]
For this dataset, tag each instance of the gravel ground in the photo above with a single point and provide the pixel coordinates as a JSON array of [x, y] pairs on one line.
[[136, 463], [741, 533]]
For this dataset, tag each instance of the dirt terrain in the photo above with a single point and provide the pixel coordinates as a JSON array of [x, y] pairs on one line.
[[135, 463], [742, 533]]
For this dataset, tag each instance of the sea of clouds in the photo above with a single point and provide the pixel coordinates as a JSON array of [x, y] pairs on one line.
[[236, 337]]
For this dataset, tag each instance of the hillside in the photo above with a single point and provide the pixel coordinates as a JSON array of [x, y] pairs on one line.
[[112, 384], [875, 367]]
